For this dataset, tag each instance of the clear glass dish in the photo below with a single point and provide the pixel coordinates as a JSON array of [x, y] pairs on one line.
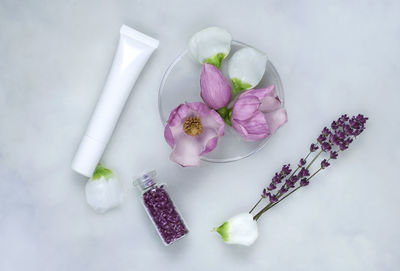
[[181, 83]]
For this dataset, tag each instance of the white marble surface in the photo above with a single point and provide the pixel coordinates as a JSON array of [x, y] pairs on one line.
[[333, 56]]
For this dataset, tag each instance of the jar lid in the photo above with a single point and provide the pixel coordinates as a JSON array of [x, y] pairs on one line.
[[146, 181]]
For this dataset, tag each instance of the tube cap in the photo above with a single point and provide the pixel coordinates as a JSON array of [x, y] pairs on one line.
[[88, 156]]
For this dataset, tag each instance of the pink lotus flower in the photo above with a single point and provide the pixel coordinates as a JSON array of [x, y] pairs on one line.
[[192, 130], [215, 89], [258, 113]]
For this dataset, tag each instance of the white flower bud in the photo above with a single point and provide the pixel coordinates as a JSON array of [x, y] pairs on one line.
[[241, 229], [103, 191], [210, 45], [246, 68]]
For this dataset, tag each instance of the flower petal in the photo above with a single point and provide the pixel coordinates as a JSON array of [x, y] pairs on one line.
[[214, 121], [211, 145], [208, 140], [186, 151], [245, 107], [252, 129], [103, 194], [270, 102], [175, 119], [168, 136], [215, 89], [248, 66], [260, 93], [210, 42], [276, 119]]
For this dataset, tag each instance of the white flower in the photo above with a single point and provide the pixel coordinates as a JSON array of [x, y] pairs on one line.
[[246, 68], [241, 229], [103, 190], [210, 45]]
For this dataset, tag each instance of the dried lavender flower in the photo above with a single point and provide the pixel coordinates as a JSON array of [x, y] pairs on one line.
[[324, 164], [313, 147], [302, 162], [333, 155], [304, 172], [338, 138], [334, 125], [325, 146], [321, 138], [273, 198], [304, 182], [283, 189], [271, 186], [286, 169], [264, 193]]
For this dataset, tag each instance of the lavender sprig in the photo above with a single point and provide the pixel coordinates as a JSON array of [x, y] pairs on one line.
[[331, 141]]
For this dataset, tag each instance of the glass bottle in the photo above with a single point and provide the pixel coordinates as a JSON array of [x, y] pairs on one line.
[[160, 208]]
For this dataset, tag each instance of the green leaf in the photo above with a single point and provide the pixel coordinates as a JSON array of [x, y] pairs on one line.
[[239, 86], [102, 172], [225, 114], [223, 231], [215, 60]]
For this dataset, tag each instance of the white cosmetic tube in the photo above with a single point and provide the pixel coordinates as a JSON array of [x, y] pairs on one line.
[[134, 49]]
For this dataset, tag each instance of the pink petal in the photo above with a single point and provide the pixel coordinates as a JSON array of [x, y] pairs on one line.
[[276, 119], [208, 140], [213, 121], [200, 108], [245, 107], [168, 136], [211, 144], [186, 151], [173, 120], [182, 112], [188, 148], [259, 93], [269, 104], [178, 114], [215, 89], [254, 128]]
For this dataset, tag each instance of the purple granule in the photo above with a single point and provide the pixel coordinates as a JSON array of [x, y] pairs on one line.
[[162, 210]]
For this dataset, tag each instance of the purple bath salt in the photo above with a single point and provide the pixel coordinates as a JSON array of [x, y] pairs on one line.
[[161, 209]]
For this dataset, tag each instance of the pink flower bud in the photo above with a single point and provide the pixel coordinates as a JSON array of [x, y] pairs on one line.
[[215, 89], [257, 114]]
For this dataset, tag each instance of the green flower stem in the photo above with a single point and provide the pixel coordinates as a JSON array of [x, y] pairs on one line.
[[258, 202], [312, 161]]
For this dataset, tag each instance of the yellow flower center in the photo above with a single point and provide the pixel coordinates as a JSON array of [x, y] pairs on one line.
[[192, 126]]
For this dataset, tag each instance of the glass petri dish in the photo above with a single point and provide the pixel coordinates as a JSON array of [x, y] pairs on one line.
[[181, 83]]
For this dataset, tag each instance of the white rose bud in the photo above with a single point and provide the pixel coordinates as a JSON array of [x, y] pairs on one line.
[[103, 190], [210, 45], [246, 68], [241, 229]]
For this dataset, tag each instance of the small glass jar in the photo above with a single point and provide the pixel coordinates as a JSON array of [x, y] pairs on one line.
[[160, 208]]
